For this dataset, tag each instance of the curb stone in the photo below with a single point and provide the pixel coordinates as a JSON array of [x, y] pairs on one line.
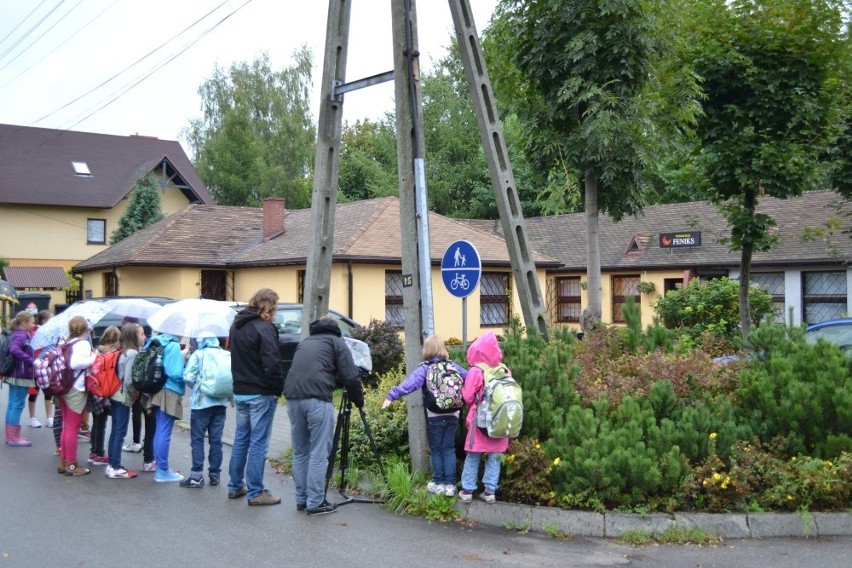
[[613, 525]]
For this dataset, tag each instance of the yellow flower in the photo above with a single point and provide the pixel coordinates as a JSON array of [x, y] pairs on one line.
[[716, 477], [828, 464], [511, 457], [556, 461], [704, 483], [793, 459], [538, 446], [712, 435], [789, 497]]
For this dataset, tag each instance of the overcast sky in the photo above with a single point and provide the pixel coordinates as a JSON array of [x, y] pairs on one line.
[[53, 52]]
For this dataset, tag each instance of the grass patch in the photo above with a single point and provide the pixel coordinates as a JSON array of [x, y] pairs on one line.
[[406, 493], [673, 535]]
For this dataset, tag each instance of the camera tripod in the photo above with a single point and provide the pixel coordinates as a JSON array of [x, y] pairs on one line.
[[341, 442]]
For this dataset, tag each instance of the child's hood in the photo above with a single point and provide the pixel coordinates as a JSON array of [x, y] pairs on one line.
[[486, 350]]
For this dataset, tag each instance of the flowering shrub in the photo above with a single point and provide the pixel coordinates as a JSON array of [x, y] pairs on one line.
[[526, 474], [386, 347]]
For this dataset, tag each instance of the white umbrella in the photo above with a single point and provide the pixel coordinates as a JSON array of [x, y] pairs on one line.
[[188, 318], [139, 308], [57, 326]]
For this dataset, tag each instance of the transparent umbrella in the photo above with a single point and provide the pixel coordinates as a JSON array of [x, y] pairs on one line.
[[57, 326], [7, 292], [189, 318], [139, 308]]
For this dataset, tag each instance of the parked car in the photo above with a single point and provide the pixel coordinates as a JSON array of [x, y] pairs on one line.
[[836, 331]]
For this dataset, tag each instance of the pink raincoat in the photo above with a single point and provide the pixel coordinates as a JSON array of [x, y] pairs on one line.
[[484, 350]]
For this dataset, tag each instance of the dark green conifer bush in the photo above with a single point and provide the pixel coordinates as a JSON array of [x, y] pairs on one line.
[[798, 391]]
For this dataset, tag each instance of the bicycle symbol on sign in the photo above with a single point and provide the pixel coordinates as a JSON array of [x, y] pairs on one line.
[[460, 281]]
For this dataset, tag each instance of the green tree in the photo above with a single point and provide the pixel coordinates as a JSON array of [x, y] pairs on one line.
[[367, 167], [256, 137], [770, 72], [596, 90], [145, 208]]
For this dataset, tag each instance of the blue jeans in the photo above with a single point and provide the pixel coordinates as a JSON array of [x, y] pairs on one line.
[[471, 471], [17, 398], [251, 443], [120, 418], [163, 438], [210, 421], [441, 431], [311, 431]]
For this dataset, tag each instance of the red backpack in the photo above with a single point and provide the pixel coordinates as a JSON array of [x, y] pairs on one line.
[[103, 379]]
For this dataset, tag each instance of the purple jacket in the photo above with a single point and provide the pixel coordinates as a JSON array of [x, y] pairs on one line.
[[486, 350], [416, 380], [23, 354]]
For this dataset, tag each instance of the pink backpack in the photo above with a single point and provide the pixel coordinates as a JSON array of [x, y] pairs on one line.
[[52, 371]]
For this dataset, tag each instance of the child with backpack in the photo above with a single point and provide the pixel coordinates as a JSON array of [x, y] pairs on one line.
[[207, 412], [167, 404], [73, 402], [131, 340], [100, 413], [441, 382], [20, 379], [485, 351]]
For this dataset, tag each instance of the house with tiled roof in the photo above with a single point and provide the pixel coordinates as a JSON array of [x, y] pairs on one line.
[[667, 245], [62, 194], [227, 253]]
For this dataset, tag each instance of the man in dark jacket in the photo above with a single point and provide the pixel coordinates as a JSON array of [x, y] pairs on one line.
[[258, 382], [321, 363]]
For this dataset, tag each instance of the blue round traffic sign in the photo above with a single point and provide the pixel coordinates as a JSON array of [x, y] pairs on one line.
[[461, 269]]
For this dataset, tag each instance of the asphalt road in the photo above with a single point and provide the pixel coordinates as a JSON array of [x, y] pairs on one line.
[[51, 520]]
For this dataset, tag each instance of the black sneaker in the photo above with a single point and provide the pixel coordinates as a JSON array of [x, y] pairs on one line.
[[301, 506], [214, 479], [324, 509], [193, 482]]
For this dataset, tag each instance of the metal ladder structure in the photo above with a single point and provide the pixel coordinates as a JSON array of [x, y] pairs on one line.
[[414, 221]]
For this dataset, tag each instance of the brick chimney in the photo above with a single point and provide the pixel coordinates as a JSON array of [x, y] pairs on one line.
[[273, 217]]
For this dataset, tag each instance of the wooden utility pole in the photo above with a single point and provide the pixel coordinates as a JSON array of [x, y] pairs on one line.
[[413, 216]]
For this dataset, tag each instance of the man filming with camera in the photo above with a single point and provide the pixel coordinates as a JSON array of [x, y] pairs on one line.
[[321, 363]]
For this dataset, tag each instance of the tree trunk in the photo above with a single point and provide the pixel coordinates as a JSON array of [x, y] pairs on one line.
[[750, 206], [592, 314]]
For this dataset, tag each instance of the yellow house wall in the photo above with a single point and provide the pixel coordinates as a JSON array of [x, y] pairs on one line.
[[56, 236], [648, 301]]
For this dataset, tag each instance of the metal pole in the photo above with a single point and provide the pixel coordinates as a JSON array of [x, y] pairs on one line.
[[464, 324]]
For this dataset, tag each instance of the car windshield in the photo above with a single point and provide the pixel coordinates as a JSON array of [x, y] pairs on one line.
[[288, 319]]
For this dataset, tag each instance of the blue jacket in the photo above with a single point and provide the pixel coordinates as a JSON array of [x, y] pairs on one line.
[[197, 399], [172, 362]]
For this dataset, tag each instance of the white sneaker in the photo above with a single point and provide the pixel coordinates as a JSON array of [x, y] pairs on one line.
[[131, 447], [50, 422], [435, 488], [450, 490], [150, 466], [34, 423]]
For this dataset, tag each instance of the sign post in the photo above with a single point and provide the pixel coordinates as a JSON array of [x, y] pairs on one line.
[[461, 269]]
